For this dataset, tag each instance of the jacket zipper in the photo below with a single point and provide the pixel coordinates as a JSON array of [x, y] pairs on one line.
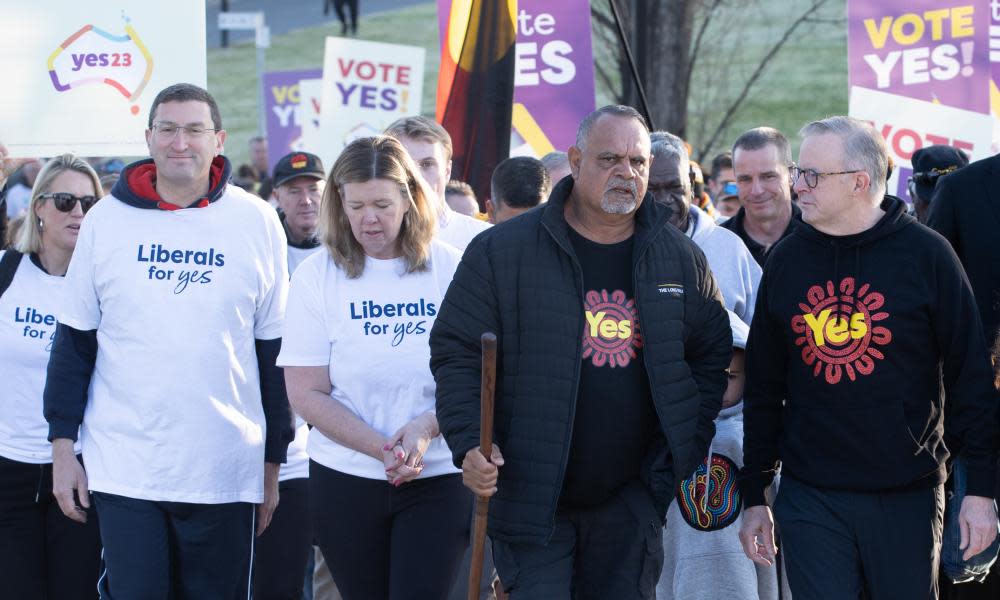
[[578, 272]]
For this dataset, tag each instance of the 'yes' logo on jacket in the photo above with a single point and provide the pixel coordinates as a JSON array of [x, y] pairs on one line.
[[839, 333]]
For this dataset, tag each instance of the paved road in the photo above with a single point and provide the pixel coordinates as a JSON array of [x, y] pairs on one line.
[[283, 16]]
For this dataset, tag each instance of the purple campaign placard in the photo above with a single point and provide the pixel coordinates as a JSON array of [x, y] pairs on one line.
[[931, 50], [281, 101], [554, 71], [994, 36]]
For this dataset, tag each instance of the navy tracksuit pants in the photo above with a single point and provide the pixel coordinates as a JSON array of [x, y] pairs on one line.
[[175, 550]]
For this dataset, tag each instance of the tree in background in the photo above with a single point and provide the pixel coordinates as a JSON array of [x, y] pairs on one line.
[[700, 60]]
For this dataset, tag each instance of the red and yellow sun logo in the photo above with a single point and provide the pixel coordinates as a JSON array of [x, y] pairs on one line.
[[838, 333], [299, 161], [611, 332]]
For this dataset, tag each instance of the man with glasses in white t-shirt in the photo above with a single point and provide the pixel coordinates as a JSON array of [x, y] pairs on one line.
[[164, 356]]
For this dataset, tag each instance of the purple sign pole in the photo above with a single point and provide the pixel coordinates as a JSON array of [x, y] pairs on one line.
[[281, 101], [554, 72]]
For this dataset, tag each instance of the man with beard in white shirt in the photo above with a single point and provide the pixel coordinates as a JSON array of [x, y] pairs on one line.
[[299, 179]]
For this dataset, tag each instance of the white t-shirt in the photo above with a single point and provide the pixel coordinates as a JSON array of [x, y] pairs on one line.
[[27, 326], [297, 255], [458, 230], [372, 332], [297, 465], [177, 298]]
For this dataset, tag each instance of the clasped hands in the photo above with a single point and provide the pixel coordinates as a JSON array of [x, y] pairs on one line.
[[403, 451]]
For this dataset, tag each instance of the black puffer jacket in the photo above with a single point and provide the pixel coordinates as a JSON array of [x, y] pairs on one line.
[[523, 281]]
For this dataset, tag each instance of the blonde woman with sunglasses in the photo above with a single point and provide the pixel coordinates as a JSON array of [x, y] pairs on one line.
[[43, 553]]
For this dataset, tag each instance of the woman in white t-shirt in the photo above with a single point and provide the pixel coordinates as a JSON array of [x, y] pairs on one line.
[[43, 553], [388, 506]]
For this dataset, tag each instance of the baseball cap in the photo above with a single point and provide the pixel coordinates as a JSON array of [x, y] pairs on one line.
[[930, 163], [298, 164], [729, 190]]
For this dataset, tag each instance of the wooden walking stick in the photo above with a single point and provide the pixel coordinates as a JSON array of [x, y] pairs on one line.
[[486, 391]]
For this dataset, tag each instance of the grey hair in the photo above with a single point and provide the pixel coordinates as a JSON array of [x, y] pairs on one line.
[[663, 144], [618, 110], [864, 148], [555, 160], [30, 239], [759, 137]]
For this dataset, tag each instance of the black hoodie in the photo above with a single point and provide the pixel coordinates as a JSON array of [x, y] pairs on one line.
[[863, 336]]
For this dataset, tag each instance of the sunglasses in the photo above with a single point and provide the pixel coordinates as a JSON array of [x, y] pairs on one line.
[[931, 177], [65, 202]]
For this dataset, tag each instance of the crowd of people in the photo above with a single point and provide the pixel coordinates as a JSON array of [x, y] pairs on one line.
[[769, 382]]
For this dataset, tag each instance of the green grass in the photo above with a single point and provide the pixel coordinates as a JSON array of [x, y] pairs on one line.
[[807, 80], [232, 76]]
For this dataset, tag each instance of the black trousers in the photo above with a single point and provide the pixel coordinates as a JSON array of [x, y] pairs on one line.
[[614, 550], [352, 7], [840, 545], [285, 546], [387, 543], [175, 550], [43, 553]]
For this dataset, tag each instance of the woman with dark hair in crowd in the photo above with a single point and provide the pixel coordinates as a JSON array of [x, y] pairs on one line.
[[43, 553], [388, 506]]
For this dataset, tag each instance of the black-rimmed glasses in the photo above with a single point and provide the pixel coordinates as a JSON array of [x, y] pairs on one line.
[[65, 202], [812, 177]]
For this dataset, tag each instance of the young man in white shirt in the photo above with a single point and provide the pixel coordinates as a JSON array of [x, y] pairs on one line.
[[429, 144], [164, 354]]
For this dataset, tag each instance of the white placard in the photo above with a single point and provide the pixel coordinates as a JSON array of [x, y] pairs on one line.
[[366, 86], [83, 74], [308, 115], [908, 125]]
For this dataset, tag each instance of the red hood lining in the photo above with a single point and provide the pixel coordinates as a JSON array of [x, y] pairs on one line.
[[142, 183]]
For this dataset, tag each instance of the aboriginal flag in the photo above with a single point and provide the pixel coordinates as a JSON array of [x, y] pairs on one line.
[[476, 87]]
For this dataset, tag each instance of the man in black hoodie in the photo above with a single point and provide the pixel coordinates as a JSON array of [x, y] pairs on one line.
[[851, 354]]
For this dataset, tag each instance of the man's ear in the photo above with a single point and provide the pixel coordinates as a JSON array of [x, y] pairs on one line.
[[490, 210], [220, 138], [574, 155], [862, 181]]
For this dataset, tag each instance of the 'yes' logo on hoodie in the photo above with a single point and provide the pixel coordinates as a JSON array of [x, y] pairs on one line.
[[839, 333]]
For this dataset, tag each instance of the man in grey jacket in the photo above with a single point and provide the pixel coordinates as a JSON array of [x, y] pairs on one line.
[[735, 269]]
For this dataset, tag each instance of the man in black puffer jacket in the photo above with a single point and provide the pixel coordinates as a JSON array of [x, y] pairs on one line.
[[613, 345]]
